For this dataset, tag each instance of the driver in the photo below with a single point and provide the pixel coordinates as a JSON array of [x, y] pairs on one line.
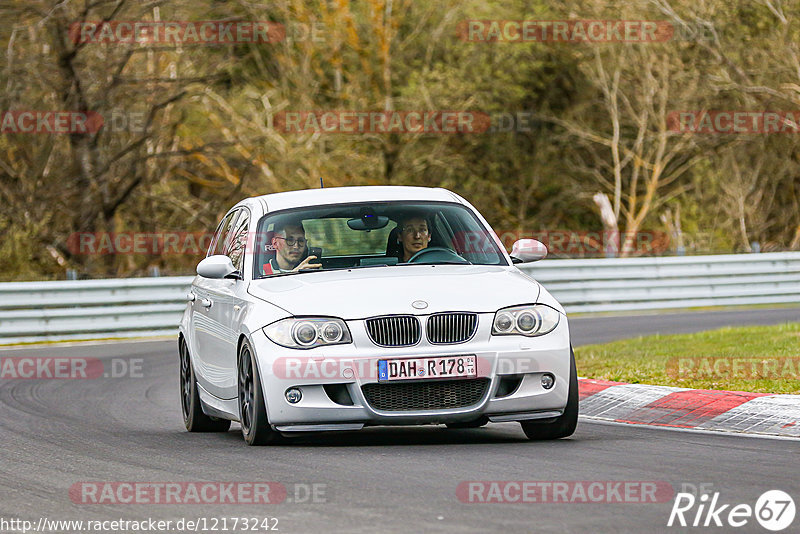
[[414, 235], [290, 246]]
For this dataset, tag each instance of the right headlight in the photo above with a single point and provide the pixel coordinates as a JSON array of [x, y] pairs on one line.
[[308, 332], [529, 320]]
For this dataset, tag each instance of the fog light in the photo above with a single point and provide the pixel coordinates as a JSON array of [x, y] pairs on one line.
[[293, 395], [548, 380]]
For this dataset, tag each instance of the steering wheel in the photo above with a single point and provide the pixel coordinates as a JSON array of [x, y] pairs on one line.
[[437, 254]]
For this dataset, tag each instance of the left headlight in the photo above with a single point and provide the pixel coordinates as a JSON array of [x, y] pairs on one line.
[[531, 320], [308, 332]]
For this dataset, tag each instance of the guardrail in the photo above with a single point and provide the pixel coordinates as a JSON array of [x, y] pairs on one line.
[[91, 309], [97, 309], [628, 284]]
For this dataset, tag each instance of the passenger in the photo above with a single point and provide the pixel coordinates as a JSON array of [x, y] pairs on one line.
[[414, 235], [291, 249]]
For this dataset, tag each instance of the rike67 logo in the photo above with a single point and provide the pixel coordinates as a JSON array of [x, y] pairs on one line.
[[774, 510]]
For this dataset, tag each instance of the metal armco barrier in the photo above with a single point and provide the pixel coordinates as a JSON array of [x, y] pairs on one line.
[[91, 309], [98, 309], [607, 285]]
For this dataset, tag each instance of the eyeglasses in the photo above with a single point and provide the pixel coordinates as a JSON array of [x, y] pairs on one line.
[[291, 241]]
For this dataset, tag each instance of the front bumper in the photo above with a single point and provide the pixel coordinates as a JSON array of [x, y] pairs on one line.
[[501, 360]]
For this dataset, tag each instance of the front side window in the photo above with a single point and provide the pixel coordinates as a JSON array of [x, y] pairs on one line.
[[372, 234], [221, 235], [237, 244]]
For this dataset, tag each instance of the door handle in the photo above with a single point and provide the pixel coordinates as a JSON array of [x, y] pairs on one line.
[[206, 303], [191, 297]]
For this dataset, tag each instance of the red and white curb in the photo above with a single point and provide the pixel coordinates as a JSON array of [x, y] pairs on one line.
[[702, 409]]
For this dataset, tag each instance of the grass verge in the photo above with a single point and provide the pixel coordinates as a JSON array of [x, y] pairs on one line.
[[763, 359]]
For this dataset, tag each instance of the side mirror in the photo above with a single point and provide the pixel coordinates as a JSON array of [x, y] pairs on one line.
[[525, 250], [217, 267]]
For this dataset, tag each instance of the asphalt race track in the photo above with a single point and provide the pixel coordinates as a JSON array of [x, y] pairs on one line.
[[56, 433], [586, 330]]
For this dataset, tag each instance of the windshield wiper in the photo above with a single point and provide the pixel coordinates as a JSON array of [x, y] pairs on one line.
[[366, 266], [439, 263]]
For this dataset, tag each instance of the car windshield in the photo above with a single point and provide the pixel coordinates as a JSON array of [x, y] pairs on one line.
[[346, 236]]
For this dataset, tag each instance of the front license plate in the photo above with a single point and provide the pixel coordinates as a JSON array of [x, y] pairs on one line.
[[422, 368]]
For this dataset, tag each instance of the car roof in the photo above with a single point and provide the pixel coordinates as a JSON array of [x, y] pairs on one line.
[[341, 195]]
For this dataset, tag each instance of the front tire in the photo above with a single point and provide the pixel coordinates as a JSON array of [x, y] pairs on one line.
[[565, 424], [253, 413], [193, 417]]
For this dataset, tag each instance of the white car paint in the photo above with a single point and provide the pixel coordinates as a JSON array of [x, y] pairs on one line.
[[241, 308]]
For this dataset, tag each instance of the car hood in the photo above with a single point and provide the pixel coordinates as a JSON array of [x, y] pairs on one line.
[[367, 292]]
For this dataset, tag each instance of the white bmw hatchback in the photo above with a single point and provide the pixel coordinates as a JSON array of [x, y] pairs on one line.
[[339, 308]]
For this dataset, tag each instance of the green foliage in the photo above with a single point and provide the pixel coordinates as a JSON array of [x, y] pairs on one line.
[[209, 138]]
